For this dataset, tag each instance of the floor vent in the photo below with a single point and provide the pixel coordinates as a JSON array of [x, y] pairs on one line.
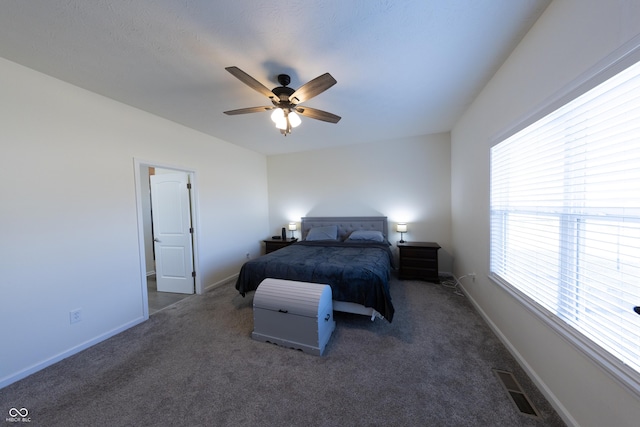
[[517, 395]]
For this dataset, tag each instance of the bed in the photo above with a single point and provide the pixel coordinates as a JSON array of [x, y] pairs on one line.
[[356, 264]]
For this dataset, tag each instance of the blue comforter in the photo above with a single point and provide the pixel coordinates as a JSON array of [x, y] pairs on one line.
[[356, 272]]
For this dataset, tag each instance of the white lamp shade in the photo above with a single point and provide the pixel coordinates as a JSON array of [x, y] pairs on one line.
[[277, 115], [294, 119], [293, 226], [401, 227], [278, 118]]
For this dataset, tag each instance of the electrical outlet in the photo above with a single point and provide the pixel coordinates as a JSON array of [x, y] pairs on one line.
[[75, 316], [248, 255], [473, 276]]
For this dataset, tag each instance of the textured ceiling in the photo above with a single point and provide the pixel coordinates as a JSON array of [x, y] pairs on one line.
[[404, 68]]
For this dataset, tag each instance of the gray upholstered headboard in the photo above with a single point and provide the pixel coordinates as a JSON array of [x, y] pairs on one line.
[[346, 224]]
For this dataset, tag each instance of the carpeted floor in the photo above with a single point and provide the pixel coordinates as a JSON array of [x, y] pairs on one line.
[[195, 364]]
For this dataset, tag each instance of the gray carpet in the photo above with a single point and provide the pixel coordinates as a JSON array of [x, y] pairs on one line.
[[195, 364]]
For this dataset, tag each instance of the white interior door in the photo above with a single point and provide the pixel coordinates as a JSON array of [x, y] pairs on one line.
[[171, 211]]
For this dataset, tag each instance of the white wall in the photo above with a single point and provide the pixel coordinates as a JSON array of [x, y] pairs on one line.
[[68, 219], [571, 37], [407, 180]]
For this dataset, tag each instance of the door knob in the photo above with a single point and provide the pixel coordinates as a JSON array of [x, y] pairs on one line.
[[156, 240]]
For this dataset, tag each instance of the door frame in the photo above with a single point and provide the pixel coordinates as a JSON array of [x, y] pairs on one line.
[[138, 164]]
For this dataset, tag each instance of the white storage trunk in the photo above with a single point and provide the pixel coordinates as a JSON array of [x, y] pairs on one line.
[[293, 314]]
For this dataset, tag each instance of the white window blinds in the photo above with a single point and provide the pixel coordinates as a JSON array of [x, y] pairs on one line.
[[565, 214]]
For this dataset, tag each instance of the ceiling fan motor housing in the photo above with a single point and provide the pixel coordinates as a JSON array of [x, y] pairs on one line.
[[283, 90]]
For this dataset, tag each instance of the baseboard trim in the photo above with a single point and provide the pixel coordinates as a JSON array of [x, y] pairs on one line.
[[542, 386], [222, 282], [61, 356]]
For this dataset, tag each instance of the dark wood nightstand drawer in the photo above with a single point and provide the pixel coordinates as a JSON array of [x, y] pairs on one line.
[[420, 263], [410, 252]]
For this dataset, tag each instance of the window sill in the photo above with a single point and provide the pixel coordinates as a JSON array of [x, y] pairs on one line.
[[621, 373]]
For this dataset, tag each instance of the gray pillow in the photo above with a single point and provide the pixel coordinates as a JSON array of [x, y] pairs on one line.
[[328, 232], [366, 235]]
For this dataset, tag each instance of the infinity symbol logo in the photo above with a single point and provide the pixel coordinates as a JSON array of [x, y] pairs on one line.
[[22, 412]]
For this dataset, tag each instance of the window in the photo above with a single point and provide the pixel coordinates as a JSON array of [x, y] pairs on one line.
[[565, 219]]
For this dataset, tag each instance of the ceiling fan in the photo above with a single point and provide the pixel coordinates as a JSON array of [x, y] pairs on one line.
[[286, 100]]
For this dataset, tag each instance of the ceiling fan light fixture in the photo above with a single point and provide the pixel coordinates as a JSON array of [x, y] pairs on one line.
[[285, 120]]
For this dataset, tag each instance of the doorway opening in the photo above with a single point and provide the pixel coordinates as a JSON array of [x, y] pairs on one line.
[[167, 234]]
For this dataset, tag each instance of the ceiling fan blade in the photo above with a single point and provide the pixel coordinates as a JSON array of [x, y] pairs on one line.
[[248, 110], [251, 82], [313, 113], [313, 88]]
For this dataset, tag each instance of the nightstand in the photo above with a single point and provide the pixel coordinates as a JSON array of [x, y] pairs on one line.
[[275, 244], [419, 260]]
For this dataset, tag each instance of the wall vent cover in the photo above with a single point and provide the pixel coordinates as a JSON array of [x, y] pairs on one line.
[[515, 392]]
